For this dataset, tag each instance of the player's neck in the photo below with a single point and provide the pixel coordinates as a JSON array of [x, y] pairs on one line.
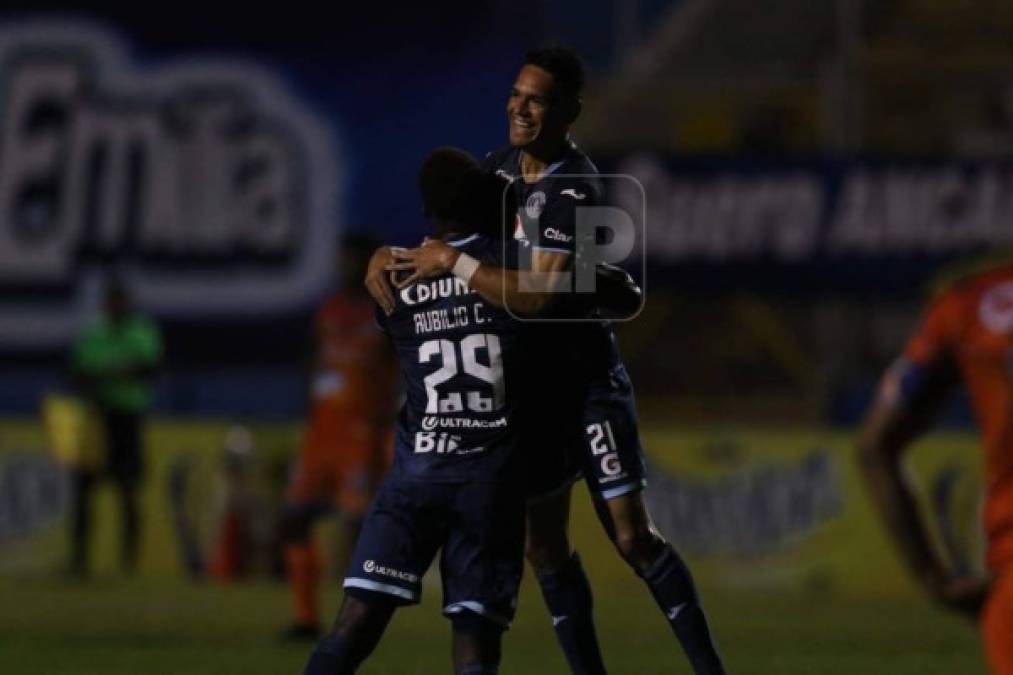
[[451, 231], [535, 160]]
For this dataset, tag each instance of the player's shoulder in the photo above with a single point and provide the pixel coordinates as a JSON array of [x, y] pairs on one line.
[[576, 162], [502, 160], [575, 177], [971, 278], [476, 245], [958, 293]]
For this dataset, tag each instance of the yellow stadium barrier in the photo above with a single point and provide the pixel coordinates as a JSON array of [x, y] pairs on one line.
[[74, 432]]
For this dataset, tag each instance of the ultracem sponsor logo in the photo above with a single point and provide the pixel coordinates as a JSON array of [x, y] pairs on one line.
[[207, 182], [370, 567], [431, 422]]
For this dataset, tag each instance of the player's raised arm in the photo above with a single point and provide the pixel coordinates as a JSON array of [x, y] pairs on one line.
[[526, 292], [377, 278]]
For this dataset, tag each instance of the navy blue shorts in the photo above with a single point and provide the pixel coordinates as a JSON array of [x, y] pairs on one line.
[[478, 526], [612, 459], [588, 431]]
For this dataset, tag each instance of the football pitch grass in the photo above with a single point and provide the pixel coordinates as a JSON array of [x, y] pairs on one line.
[[770, 615], [112, 626]]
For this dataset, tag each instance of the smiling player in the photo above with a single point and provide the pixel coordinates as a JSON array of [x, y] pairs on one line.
[[591, 424]]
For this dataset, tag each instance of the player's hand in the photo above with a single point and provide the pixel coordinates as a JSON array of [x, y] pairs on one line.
[[965, 595], [431, 259], [617, 295], [377, 281]]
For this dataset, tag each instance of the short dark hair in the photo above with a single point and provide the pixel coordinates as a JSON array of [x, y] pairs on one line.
[[565, 66], [455, 189], [358, 241], [444, 180]]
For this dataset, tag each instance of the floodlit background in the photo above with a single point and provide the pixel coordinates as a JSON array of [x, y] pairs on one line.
[[812, 170]]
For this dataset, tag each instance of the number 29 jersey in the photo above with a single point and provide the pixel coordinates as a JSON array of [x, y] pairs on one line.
[[462, 377]]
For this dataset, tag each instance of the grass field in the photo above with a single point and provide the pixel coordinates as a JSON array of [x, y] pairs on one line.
[[159, 623], [115, 627]]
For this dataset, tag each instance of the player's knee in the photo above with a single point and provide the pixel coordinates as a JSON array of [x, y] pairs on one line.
[[359, 613], [546, 554], [353, 614], [295, 525], [477, 641], [475, 625], [637, 545]]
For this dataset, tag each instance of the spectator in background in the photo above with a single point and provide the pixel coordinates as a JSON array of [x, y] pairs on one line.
[[113, 362]]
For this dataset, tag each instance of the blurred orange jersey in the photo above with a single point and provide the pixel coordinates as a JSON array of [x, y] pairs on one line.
[[969, 330], [355, 373], [345, 447]]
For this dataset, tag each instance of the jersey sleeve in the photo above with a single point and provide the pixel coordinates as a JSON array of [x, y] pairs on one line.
[[928, 359], [490, 162], [558, 225], [936, 337], [495, 159]]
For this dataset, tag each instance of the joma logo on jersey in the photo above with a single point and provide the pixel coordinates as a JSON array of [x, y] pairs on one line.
[[182, 172]]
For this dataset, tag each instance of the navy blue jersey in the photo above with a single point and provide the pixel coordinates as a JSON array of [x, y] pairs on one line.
[[547, 208], [459, 366], [546, 220]]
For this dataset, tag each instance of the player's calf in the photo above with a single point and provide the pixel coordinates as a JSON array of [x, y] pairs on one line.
[[331, 657], [356, 632], [564, 583], [302, 567], [477, 644], [671, 584], [567, 594], [628, 524], [298, 519], [638, 546]]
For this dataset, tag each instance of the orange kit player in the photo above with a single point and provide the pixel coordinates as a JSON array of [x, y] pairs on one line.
[[347, 443], [966, 335]]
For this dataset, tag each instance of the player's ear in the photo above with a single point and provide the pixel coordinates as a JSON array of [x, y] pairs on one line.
[[570, 107], [577, 107]]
